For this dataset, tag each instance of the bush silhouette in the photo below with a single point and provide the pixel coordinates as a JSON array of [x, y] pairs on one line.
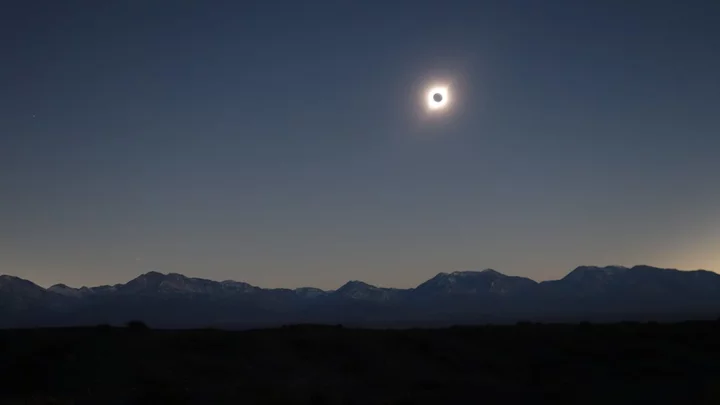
[[103, 327], [137, 325]]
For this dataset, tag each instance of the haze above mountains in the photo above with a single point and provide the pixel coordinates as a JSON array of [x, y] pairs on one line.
[[175, 301]]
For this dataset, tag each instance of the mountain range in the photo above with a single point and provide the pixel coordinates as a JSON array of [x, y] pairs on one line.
[[588, 293]]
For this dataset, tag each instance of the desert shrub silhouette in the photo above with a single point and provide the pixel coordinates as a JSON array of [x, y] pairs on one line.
[[137, 326], [104, 328]]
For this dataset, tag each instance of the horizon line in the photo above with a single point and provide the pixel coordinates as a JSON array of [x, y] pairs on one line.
[[356, 280]]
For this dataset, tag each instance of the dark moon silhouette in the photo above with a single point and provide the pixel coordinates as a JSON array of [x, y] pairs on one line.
[[437, 97]]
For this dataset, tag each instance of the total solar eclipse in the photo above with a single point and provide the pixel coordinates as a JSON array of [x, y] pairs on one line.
[[437, 98]]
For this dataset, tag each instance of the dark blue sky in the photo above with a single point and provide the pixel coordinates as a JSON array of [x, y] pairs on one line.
[[284, 143]]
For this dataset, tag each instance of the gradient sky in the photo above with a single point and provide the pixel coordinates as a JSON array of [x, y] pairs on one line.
[[282, 142]]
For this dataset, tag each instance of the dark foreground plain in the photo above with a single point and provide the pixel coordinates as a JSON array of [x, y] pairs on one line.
[[624, 363]]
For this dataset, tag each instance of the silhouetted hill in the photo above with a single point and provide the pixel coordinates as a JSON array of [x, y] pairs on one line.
[[18, 293], [480, 283], [174, 300], [357, 290]]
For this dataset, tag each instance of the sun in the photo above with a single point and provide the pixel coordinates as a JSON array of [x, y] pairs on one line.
[[437, 98]]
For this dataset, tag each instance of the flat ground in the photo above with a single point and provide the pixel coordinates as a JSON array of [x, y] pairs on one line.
[[531, 363]]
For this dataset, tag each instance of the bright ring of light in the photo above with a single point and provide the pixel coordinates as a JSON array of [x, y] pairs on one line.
[[437, 98]]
